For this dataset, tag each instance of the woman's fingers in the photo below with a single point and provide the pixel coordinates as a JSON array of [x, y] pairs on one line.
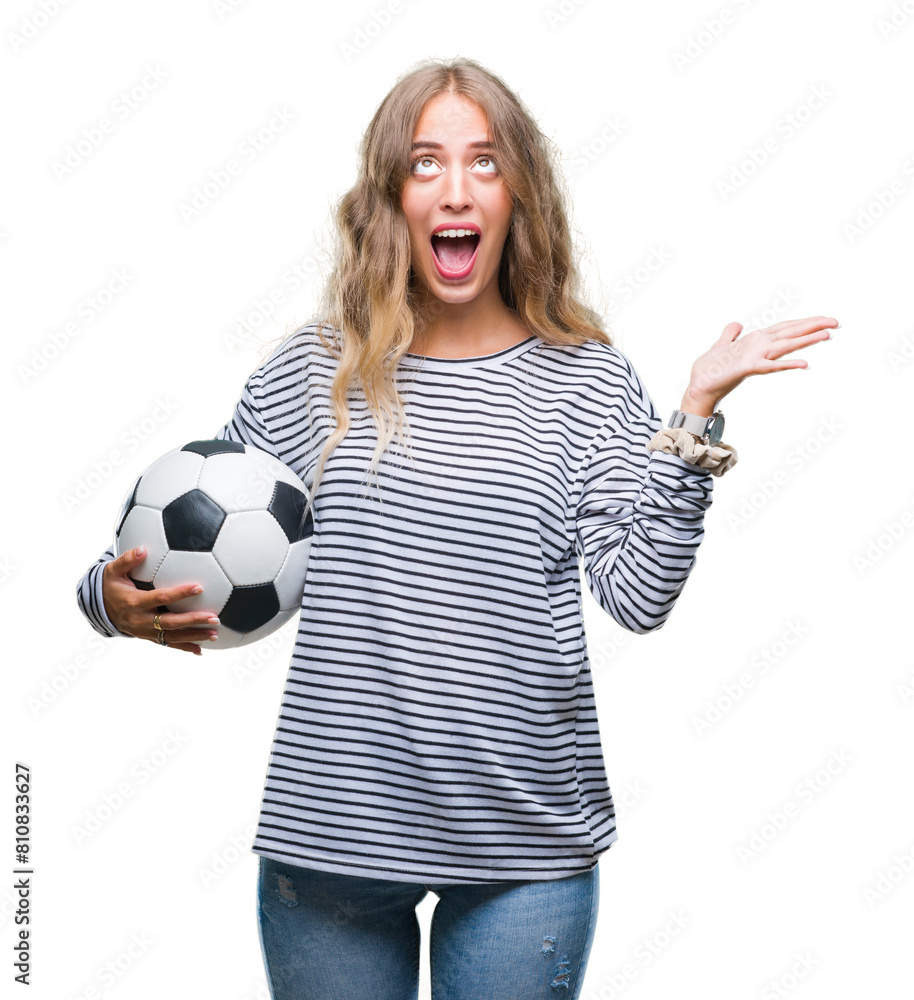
[[125, 562], [186, 639], [785, 345], [781, 366], [187, 619], [153, 600], [799, 327], [171, 595], [181, 628], [135, 609], [187, 647], [173, 636]]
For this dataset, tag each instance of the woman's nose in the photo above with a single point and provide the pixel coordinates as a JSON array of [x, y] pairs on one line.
[[456, 193]]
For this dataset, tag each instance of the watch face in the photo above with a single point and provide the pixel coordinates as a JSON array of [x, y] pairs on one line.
[[716, 428]]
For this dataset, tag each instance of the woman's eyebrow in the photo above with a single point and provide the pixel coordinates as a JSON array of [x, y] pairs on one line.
[[428, 144]]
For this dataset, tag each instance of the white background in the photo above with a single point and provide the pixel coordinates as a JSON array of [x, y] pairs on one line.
[[776, 839]]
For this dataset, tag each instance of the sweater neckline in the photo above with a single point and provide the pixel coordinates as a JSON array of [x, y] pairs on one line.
[[499, 357]]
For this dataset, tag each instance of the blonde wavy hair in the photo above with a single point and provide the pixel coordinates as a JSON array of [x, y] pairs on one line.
[[370, 303]]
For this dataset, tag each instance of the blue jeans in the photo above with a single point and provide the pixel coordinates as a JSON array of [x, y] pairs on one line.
[[345, 937]]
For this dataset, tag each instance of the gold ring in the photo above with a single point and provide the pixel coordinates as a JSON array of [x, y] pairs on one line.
[[160, 639], [157, 623]]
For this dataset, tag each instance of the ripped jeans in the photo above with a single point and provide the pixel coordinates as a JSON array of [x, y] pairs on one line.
[[345, 937]]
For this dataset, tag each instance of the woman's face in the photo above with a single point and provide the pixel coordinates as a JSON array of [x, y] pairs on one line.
[[454, 184]]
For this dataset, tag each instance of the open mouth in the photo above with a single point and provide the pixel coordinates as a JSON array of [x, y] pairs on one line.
[[454, 253]]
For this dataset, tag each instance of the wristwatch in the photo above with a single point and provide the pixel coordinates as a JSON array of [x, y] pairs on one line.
[[709, 429]]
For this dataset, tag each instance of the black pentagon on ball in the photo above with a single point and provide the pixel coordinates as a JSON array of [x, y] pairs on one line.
[[250, 607], [192, 522], [213, 447], [287, 506], [129, 504], [143, 584]]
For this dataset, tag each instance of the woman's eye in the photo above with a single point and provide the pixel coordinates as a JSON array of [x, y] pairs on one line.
[[419, 160], [419, 168]]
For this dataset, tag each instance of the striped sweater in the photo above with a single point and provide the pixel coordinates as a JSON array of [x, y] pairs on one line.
[[438, 721]]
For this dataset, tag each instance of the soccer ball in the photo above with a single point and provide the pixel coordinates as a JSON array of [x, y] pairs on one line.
[[227, 516]]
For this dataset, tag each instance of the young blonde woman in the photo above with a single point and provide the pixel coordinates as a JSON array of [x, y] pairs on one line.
[[469, 433]]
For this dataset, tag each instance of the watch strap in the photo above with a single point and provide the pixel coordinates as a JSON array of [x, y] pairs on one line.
[[692, 422]]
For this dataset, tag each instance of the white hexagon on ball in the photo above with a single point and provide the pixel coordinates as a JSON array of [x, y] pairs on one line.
[[176, 473], [180, 567], [143, 526], [251, 547], [236, 482]]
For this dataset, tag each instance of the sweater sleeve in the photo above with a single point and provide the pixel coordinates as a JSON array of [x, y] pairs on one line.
[[246, 425], [640, 514], [90, 600]]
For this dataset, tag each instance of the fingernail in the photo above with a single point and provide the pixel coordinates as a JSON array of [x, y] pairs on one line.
[[213, 638], [140, 549], [197, 590], [213, 621]]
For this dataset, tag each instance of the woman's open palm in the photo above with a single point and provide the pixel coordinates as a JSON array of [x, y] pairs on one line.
[[733, 358]]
